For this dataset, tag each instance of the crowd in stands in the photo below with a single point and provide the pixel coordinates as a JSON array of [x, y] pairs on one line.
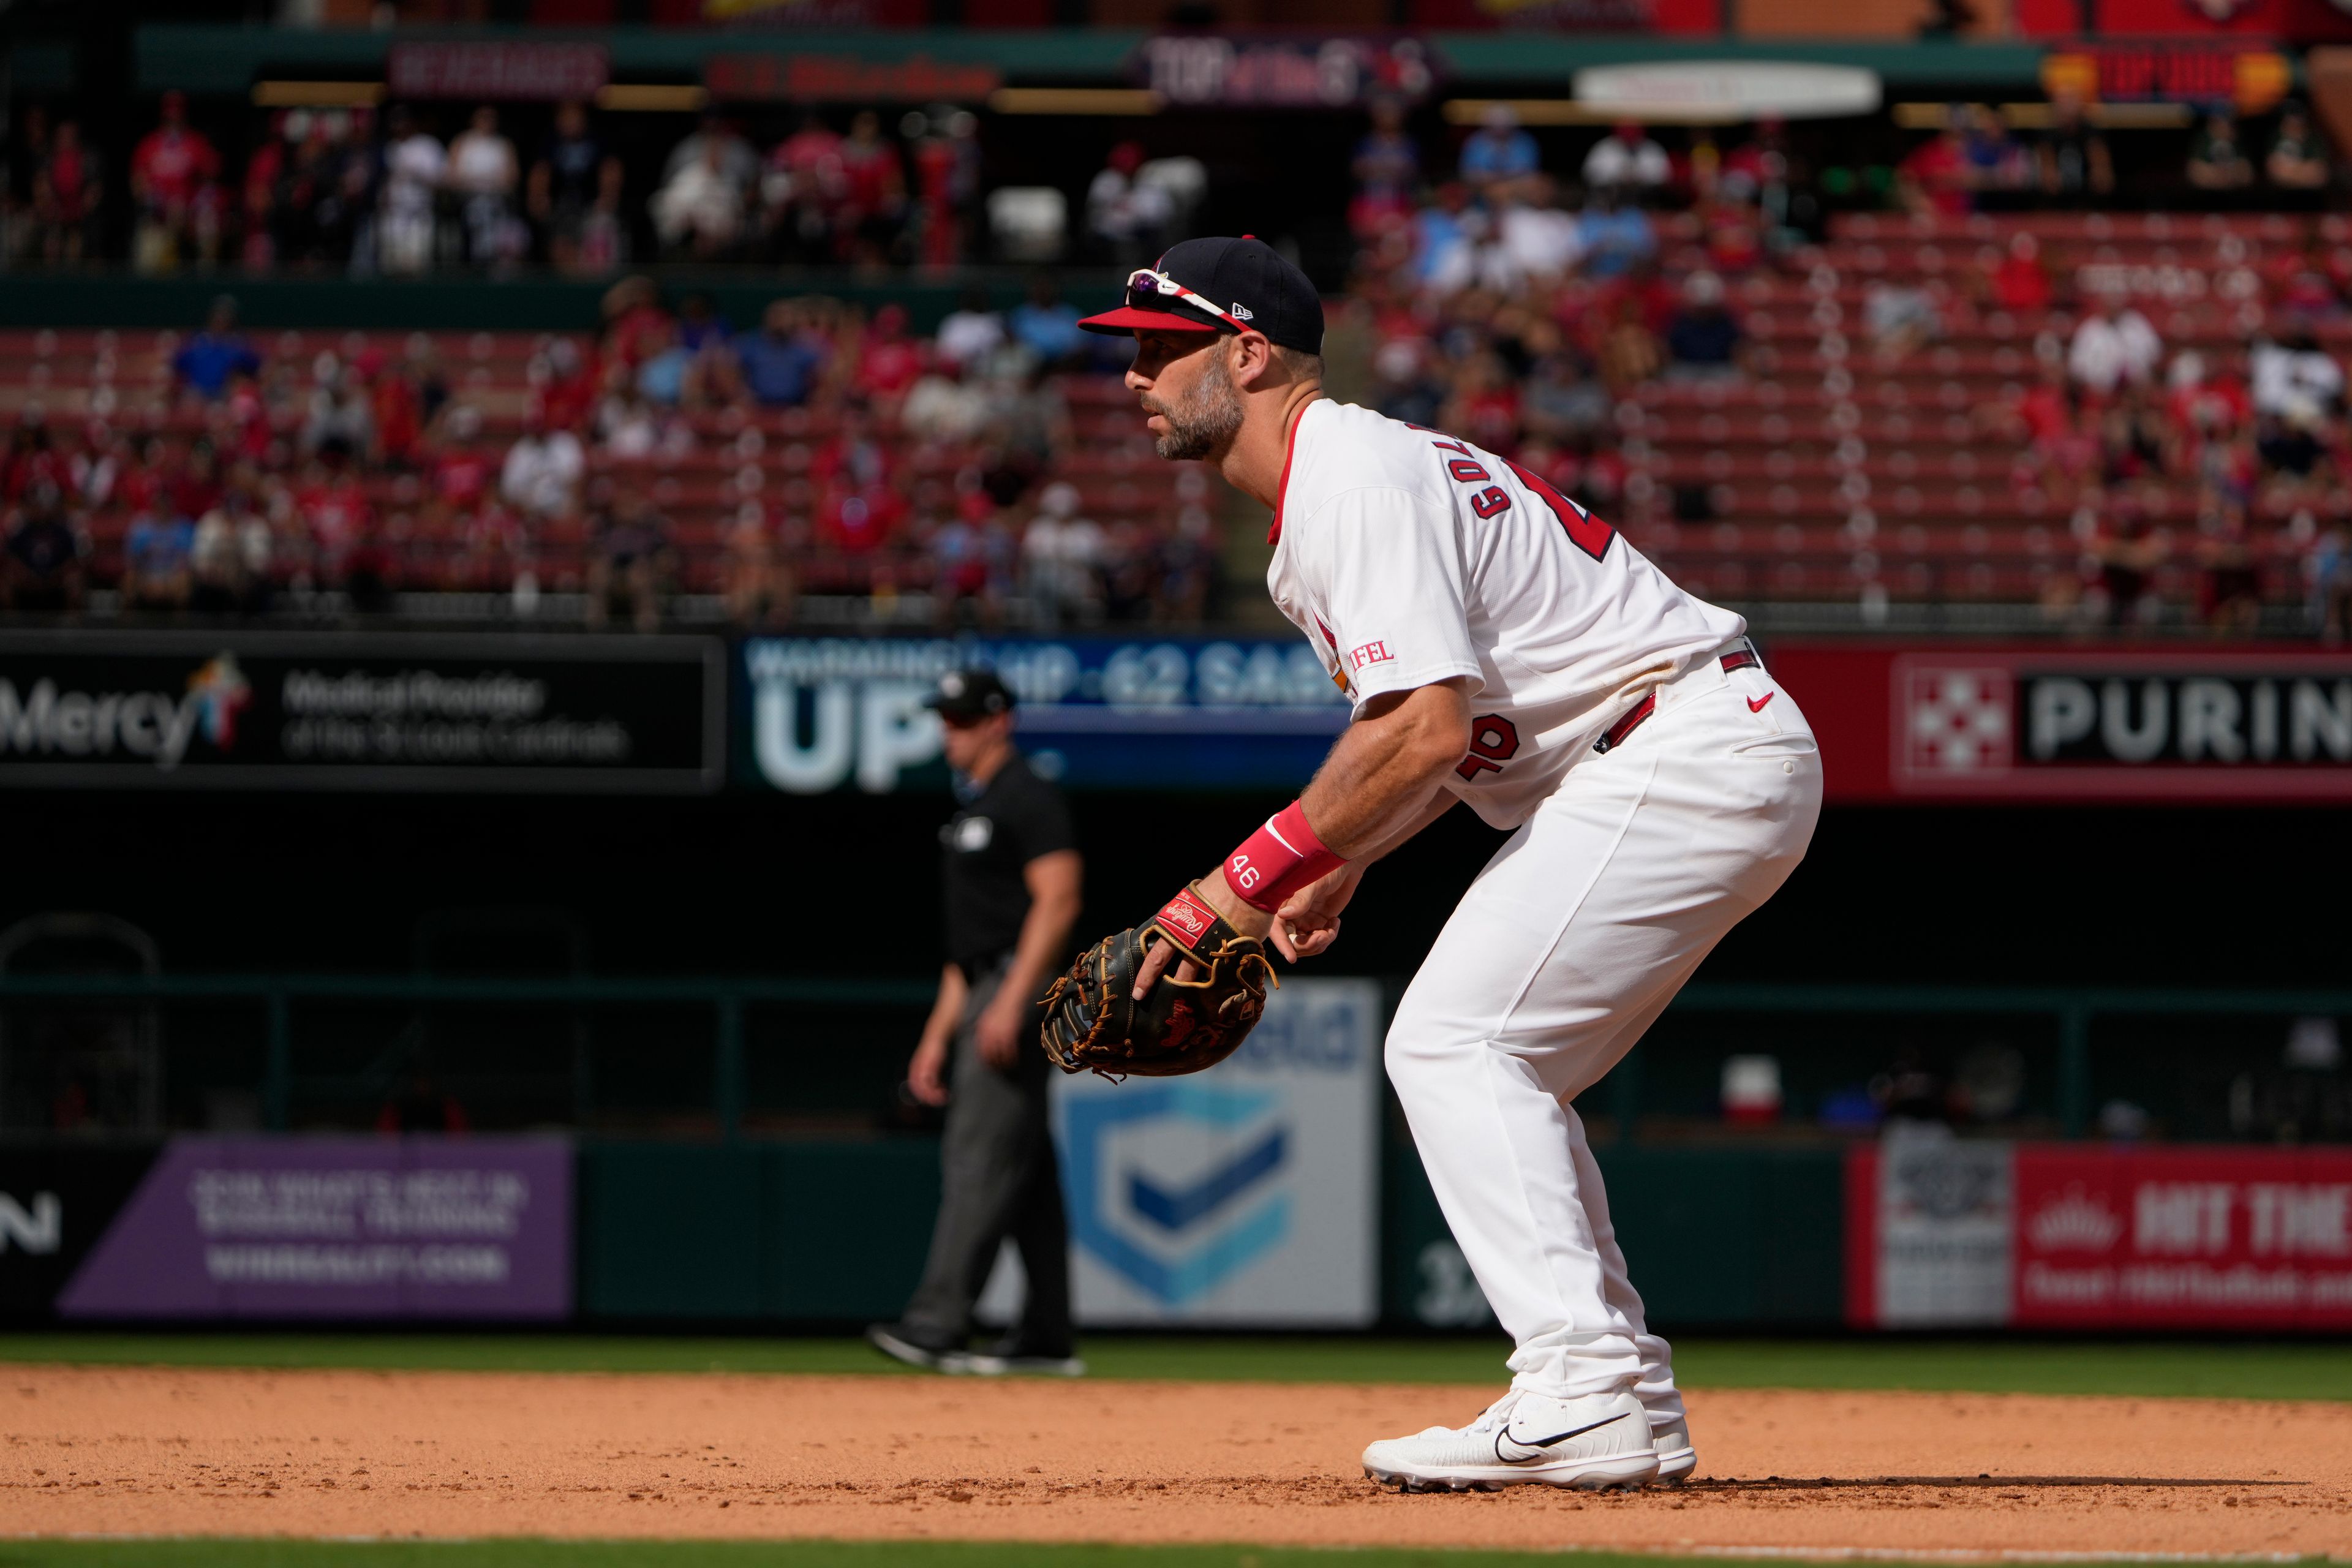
[[359, 192], [1522, 310], [851, 458], [1529, 307]]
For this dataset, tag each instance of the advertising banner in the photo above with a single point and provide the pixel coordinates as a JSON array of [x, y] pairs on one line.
[[2061, 1235], [818, 714], [2254, 1238], [55, 1201], [1970, 723], [339, 1227], [509, 69], [1204, 69], [379, 712], [1246, 1195]]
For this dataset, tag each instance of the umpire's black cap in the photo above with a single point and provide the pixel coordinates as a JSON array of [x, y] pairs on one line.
[[1246, 283], [969, 696]]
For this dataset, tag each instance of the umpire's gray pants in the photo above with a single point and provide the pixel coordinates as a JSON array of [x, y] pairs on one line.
[[998, 1177]]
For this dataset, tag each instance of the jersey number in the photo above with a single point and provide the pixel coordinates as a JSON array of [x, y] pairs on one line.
[[1494, 740], [1586, 531]]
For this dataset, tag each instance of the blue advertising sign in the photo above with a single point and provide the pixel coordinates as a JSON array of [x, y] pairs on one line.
[[1246, 1196], [818, 714]]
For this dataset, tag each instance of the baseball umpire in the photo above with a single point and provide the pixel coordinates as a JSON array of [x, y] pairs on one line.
[[1011, 879], [1505, 649]]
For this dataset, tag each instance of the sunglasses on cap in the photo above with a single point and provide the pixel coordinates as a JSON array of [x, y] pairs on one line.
[[1144, 285]]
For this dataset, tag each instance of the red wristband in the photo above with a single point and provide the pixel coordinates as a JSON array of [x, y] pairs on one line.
[[1278, 859]]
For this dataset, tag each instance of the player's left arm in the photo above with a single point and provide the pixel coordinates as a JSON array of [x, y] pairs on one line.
[[1054, 881], [1373, 792]]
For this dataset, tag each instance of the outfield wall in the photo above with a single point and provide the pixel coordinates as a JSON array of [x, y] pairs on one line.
[[774, 1234]]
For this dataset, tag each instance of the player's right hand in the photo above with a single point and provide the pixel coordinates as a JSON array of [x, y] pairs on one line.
[[1308, 921]]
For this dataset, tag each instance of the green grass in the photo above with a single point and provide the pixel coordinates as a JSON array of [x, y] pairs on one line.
[[2258, 1369]]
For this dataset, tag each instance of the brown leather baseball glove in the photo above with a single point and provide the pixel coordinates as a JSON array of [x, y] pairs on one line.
[[1093, 1022]]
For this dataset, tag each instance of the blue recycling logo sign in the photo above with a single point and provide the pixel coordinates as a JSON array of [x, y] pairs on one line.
[[1176, 1238]]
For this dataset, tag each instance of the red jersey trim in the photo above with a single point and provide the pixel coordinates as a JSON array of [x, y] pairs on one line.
[[1282, 487]]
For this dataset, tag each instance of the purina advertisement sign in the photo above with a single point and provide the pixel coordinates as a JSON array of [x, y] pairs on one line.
[[1971, 722], [1246, 1195], [354, 711], [820, 714]]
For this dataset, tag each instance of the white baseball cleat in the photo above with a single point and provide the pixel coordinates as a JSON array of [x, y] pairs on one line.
[[1676, 1457], [1597, 1441]]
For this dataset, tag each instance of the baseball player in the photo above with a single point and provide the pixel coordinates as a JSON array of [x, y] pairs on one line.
[[1503, 647]]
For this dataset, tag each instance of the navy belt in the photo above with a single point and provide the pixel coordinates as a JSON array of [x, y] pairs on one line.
[[1743, 655]]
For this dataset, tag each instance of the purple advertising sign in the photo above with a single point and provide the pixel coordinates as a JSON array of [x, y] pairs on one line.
[[414, 1226]]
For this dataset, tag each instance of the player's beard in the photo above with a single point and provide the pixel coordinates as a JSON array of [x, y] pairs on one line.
[[1207, 421]]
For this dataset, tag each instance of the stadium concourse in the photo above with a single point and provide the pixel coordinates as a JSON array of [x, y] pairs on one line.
[[2030, 421]]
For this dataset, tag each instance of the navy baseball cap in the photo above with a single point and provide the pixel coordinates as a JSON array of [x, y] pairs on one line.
[[969, 696], [1238, 283]]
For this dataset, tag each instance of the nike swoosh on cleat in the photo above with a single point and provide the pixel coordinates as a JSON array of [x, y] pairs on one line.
[[1547, 1442], [1757, 706]]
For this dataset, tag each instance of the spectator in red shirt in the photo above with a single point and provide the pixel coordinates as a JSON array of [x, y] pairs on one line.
[[398, 408], [335, 512], [875, 198], [2201, 404], [175, 176], [636, 325], [889, 361], [1937, 177], [66, 192], [32, 459], [2020, 282], [565, 399]]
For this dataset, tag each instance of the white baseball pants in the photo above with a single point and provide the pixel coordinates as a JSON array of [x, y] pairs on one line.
[[1568, 946]]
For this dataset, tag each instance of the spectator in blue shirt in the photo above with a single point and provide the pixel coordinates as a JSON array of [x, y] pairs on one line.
[[1616, 237], [1443, 232], [780, 367], [1498, 149], [1703, 338], [216, 356], [1047, 326], [155, 559]]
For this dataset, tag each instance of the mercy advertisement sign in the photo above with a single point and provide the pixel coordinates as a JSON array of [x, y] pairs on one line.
[[339, 1227], [1246, 1195], [357, 710]]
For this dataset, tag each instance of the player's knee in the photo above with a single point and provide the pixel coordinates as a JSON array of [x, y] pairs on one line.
[[1416, 1045]]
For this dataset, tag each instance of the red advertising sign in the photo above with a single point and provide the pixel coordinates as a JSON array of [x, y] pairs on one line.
[[1973, 723], [1947, 1232], [841, 79], [2252, 1238], [513, 71]]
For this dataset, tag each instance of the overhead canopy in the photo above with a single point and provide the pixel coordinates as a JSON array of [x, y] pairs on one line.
[[1712, 93]]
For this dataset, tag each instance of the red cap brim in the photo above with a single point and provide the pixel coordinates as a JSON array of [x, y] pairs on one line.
[[1127, 318]]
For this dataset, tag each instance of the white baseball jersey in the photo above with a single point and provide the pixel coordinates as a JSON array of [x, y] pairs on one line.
[[1409, 557]]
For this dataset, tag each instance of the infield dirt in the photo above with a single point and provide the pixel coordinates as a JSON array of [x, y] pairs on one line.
[[113, 1450]]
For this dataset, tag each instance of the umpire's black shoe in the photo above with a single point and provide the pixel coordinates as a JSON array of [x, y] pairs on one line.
[[1014, 1355], [919, 1347]]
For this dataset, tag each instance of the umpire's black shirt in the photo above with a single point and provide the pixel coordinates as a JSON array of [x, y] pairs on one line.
[[1017, 817]]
